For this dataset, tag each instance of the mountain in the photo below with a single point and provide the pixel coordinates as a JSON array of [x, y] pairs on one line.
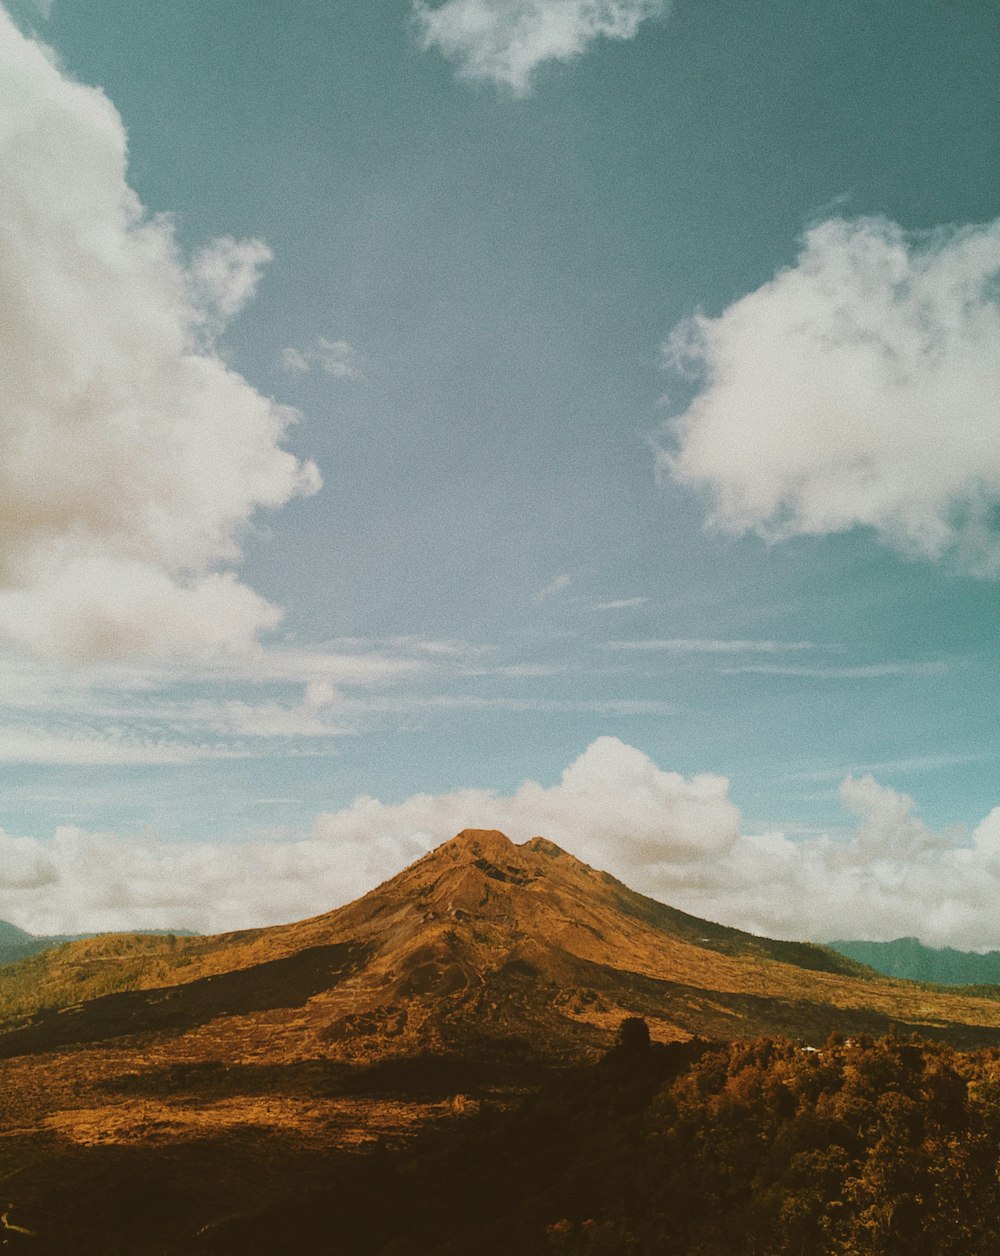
[[482, 949], [910, 959]]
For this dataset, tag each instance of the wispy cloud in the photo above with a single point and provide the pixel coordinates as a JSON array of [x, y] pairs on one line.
[[180, 710], [861, 671], [559, 584], [824, 394], [399, 704], [712, 645], [915, 764], [505, 41], [621, 604], [335, 358], [83, 748], [276, 701]]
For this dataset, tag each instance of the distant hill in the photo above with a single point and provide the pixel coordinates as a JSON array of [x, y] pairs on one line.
[[909, 958], [16, 944]]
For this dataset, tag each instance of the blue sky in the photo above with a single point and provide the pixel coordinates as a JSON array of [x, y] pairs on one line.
[[416, 399]]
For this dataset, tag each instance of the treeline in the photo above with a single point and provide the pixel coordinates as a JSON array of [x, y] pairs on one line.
[[857, 1148]]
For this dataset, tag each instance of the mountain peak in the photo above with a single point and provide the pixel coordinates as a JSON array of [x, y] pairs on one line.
[[488, 844], [542, 846]]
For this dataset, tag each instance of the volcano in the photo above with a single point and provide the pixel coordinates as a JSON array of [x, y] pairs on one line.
[[482, 949]]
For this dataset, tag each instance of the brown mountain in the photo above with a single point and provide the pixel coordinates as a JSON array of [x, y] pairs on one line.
[[482, 948]]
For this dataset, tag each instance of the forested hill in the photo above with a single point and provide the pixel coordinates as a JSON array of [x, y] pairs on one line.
[[909, 958], [16, 944]]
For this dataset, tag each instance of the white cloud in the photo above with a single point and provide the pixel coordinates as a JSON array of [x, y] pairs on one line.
[[223, 277], [89, 748], [176, 711], [860, 671], [505, 41], [80, 881], [676, 838], [621, 604], [335, 358], [559, 584], [131, 455], [612, 807], [102, 881], [856, 388], [918, 763]]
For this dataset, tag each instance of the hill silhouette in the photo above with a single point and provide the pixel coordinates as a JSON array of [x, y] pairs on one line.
[[909, 958], [17, 944]]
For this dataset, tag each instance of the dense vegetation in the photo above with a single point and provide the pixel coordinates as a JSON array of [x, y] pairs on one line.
[[66, 973], [860, 1148]]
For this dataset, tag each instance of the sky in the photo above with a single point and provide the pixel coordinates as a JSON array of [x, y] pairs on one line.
[[577, 417]]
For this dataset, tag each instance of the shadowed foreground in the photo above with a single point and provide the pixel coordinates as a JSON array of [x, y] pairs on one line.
[[877, 1147]]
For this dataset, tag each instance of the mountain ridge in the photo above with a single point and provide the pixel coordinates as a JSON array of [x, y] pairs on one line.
[[911, 960]]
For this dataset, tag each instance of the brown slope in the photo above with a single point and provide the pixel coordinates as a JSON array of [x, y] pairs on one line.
[[481, 947]]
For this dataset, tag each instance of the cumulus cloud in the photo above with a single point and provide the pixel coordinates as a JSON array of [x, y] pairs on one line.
[[335, 358], [505, 41], [679, 839], [79, 881], [131, 455], [856, 388], [612, 806], [223, 277]]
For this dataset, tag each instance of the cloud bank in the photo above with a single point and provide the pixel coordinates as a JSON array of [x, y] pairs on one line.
[[856, 388], [131, 456], [505, 41], [676, 838]]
